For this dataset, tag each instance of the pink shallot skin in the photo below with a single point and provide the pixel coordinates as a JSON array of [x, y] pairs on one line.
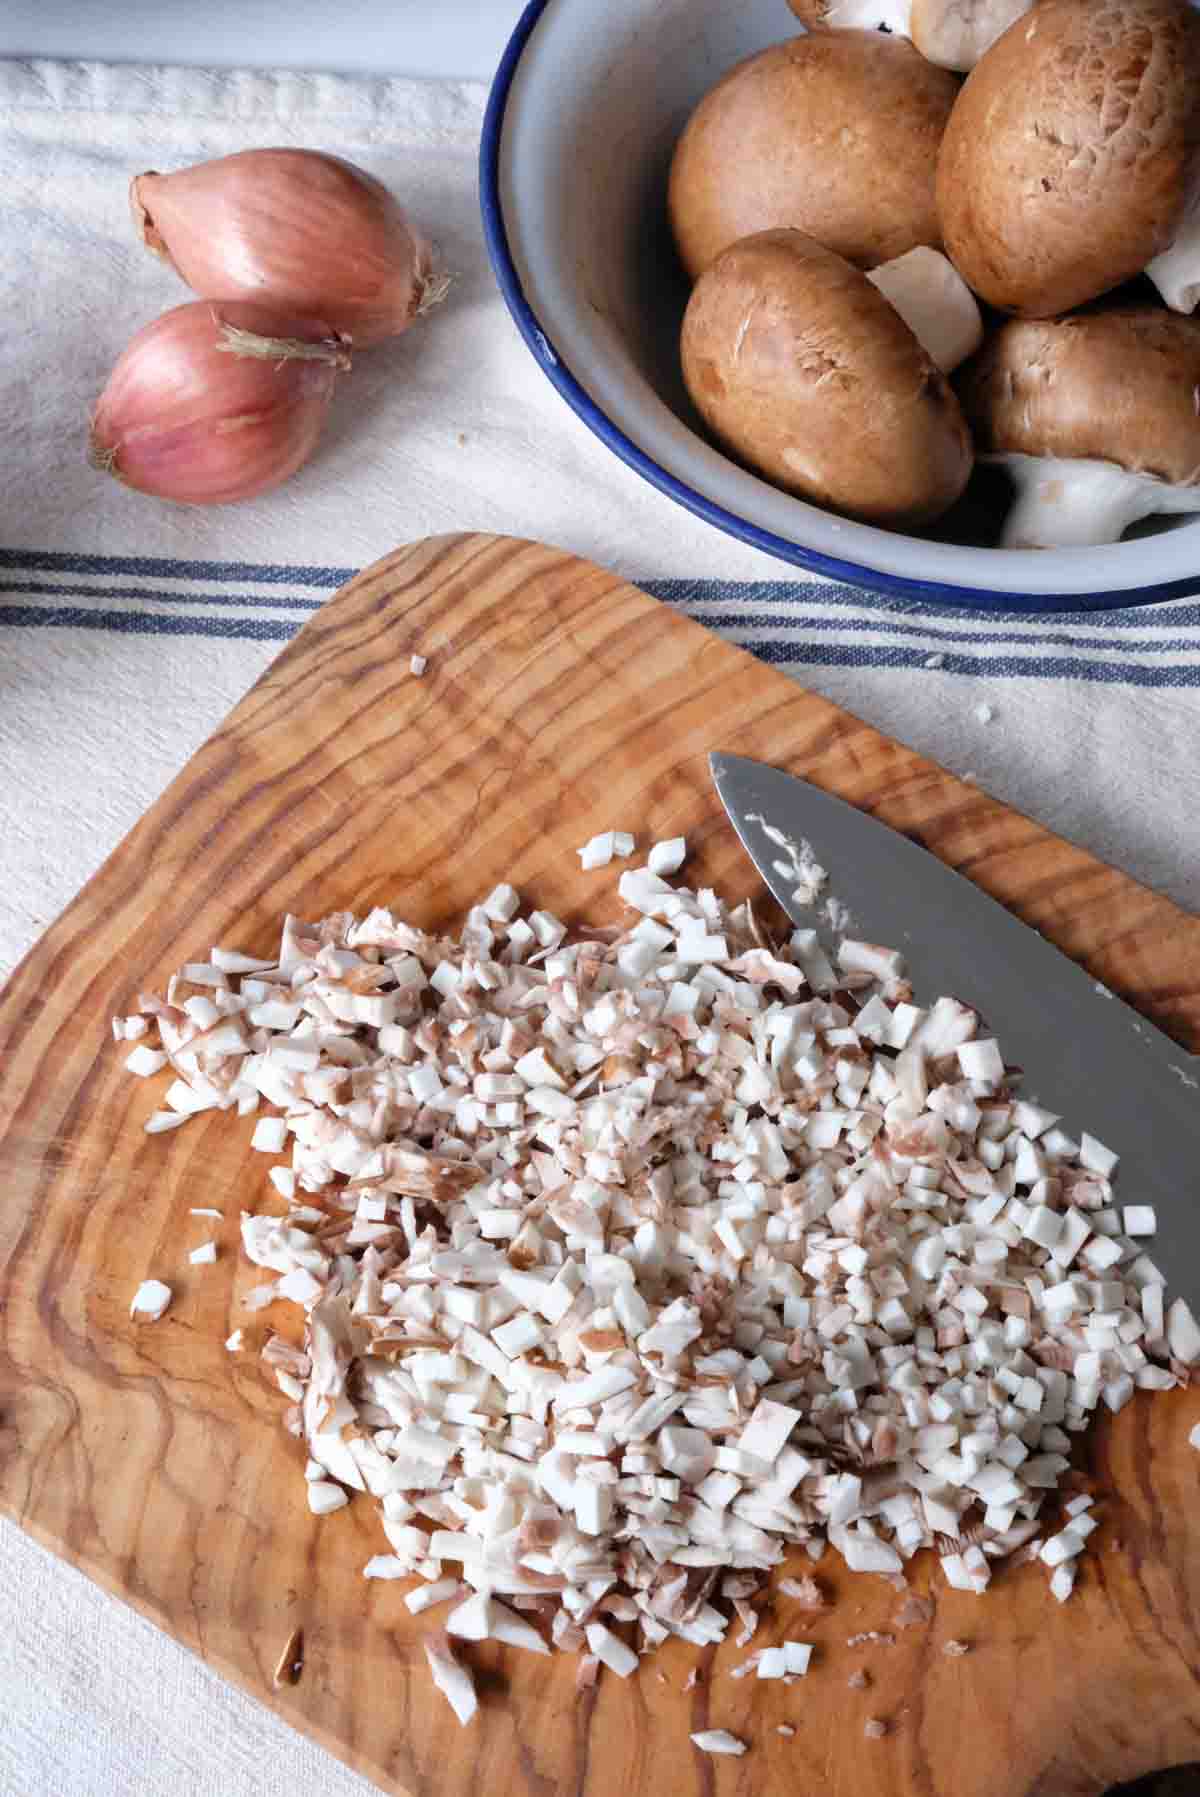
[[314, 233], [183, 419]]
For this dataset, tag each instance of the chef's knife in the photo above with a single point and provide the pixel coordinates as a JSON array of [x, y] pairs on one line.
[[1085, 1054]]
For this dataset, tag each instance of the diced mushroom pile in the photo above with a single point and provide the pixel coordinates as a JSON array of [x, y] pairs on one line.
[[633, 1258]]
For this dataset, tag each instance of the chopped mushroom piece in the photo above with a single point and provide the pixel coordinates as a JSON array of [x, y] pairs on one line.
[[630, 1261], [667, 857], [290, 1665], [718, 1740], [874, 1728], [452, 1678], [324, 1496], [610, 1650], [425, 1597], [385, 1566], [417, 665], [204, 1255], [150, 1300], [807, 1593], [956, 1649], [914, 1612]]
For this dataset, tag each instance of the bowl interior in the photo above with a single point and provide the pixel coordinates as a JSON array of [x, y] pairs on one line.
[[585, 114]]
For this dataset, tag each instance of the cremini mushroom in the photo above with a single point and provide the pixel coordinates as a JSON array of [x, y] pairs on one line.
[[952, 33], [1071, 159], [1096, 418], [834, 133], [803, 369]]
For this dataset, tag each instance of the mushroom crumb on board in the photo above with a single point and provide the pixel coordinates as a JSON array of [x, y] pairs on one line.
[[859, 1680], [914, 1612], [595, 1237], [874, 1728], [806, 1592], [290, 1665], [718, 1740], [454, 1680], [955, 1650], [150, 1300]]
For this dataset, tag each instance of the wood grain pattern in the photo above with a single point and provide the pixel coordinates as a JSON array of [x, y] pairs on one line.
[[558, 702]]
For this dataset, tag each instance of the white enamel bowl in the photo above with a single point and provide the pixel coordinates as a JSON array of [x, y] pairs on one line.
[[584, 112]]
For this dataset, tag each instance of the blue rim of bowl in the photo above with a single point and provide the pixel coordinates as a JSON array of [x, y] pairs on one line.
[[892, 586]]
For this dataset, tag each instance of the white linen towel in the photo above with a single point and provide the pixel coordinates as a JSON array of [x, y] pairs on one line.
[[128, 628]]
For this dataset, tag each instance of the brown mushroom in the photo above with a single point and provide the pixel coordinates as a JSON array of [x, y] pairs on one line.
[[952, 33], [803, 369], [834, 133], [1071, 158], [1096, 418]]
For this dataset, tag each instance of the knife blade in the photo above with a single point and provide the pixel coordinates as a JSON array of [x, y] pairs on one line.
[[1085, 1053]]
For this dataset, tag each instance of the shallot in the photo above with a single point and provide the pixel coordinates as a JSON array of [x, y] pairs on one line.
[[312, 233], [215, 403]]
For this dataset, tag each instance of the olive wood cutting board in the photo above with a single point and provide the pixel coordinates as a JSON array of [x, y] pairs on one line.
[[558, 701]]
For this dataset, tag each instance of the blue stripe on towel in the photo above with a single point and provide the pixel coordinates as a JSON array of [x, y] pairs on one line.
[[146, 623], [277, 602], [763, 616], [166, 568], [685, 593], [996, 667]]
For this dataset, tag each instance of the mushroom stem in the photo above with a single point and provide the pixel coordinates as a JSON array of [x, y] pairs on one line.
[[956, 33], [1075, 503], [1176, 272], [868, 15], [953, 34], [935, 303]]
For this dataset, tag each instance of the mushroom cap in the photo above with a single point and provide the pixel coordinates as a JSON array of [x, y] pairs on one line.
[[802, 368], [834, 133], [1072, 151], [1119, 385]]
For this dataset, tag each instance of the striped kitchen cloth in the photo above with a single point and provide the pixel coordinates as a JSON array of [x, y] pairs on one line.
[[131, 627]]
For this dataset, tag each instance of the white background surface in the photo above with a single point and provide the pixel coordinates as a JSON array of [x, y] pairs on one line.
[[385, 37], [95, 1702]]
